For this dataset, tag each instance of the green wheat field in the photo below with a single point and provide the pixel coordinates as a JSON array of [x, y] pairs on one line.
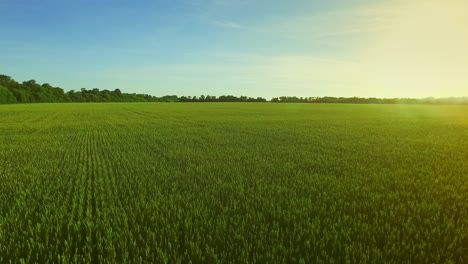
[[233, 183]]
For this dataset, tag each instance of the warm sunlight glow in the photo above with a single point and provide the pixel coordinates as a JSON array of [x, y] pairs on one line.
[[424, 50]]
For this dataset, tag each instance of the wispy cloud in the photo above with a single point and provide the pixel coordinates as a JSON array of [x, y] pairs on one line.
[[335, 24], [226, 24], [228, 2]]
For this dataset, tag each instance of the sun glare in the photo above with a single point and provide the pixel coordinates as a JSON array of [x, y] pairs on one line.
[[424, 49]]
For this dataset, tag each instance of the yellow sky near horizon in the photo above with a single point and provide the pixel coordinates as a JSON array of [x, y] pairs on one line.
[[424, 48], [415, 48]]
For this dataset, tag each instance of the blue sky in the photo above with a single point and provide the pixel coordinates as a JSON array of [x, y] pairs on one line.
[[240, 47]]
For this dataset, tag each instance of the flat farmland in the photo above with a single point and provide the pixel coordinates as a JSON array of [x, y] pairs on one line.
[[233, 183]]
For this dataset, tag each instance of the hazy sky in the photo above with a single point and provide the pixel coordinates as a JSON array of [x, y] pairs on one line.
[[383, 48]]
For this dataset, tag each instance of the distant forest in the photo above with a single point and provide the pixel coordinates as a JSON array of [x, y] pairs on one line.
[[31, 92]]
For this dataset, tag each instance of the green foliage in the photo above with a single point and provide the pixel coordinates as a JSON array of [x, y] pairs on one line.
[[6, 96], [31, 92], [233, 183]]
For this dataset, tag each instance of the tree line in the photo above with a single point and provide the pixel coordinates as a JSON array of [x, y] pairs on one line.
[[30, 91]]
